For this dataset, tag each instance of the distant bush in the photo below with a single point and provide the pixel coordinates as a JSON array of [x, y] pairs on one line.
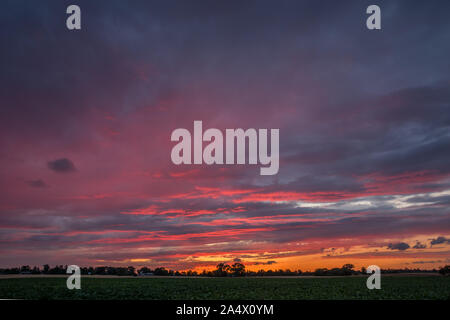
[[445, 271], [346, 270]]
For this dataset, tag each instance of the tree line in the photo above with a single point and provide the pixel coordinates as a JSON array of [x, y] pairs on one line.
[[221, 270]]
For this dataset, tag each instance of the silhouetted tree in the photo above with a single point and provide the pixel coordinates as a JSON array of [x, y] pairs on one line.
[[131, 271], [144, 270], [237, 269], [222, 270], [25, 269], [35, 270], [348, 269], [161, 271]]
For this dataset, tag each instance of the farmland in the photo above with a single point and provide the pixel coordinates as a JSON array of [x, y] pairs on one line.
[[392, 287]]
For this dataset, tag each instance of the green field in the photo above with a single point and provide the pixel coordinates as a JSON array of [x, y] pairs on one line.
[[392, 287]]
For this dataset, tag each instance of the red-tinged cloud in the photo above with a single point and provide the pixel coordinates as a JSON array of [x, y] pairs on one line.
[[228, 234]]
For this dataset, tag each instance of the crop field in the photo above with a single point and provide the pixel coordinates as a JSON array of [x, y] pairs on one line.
[[392, 287]]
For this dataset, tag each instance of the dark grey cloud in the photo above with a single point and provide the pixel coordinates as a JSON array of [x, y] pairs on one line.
[[39, 183], [419, 245], [439, 240], [397, 132], [268, 263], [398, 246], [427, 261], [62, 165]]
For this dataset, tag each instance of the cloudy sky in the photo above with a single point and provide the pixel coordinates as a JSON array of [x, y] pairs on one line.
[[86, 117]]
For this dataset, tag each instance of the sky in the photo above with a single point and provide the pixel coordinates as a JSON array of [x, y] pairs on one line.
[[86, 117]]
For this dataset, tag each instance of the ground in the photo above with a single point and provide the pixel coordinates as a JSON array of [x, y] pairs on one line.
[[392, 287]]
